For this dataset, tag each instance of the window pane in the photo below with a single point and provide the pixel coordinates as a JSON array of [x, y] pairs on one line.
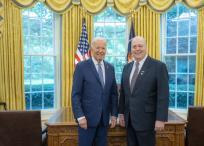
[[27, 100], [183, 28], [171, 30], [35, 45], [172, 99], [36, 82], [192, 64], [181, 82], [27, 82], [48, 82], [27, 67], [171, 63], [182, 100], [172, 81], [48, 100], [48, 65], [109, 15], [172, 13], [191, 82], [183, 45], [193, 44], [26, 45], [182, 11], [193, 24], [182, 64], [47, 28], [171, 46], [35, 27], [25, 26], [36, 63], [120, 30], [191, 99], [109, 30], [37, 100]]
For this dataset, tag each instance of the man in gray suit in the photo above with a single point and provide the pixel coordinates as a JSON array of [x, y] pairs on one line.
[[143, 103]]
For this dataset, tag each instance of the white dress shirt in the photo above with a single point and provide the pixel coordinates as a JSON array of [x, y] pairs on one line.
[[134, 66]]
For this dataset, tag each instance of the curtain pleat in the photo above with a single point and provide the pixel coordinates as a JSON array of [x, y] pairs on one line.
[[126, 6], [199, 83], [71, 30], [11, 59]]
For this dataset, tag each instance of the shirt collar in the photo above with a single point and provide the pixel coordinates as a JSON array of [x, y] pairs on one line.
[[142, 61], [96, 62]]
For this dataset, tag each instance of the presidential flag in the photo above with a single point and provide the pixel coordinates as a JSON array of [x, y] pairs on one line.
[[131, 36], [82, 52]]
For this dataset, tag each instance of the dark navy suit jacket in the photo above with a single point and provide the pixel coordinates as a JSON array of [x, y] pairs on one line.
[[89, 98], [149, 100]]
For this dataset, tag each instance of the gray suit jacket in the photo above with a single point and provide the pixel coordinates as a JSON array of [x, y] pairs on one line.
[[149, 100]]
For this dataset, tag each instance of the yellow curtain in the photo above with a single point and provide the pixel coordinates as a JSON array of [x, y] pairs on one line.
[[160, 6], [194, 3], [71, 30], [11, 59], [199, 83], [24, 3], [147, 24], [96, 6], [58, 5], [125, 7]]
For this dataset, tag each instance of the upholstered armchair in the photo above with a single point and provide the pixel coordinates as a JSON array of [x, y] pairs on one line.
[[195, 127], [21, 128]]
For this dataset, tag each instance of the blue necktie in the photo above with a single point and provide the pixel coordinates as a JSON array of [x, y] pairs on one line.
[[100, 73]]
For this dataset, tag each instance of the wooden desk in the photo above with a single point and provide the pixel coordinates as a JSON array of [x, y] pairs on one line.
[[62, 131]]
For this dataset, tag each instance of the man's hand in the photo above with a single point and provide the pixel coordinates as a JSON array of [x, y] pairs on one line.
[[159, 126], [113, 122], [83, 123], [122, 120]]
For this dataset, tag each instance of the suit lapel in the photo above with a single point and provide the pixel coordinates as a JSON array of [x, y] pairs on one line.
[[93, 68], [106, 74], [127, 75], [143, 71]]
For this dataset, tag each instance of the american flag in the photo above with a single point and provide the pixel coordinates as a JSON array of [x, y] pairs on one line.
[[82, 52], [131, 36]]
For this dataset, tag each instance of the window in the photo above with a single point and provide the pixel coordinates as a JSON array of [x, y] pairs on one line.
[[39, 57], [112, 26], [179, 52]]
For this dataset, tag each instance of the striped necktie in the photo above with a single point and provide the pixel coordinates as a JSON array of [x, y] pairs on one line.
[[100, 73], [134, 77]]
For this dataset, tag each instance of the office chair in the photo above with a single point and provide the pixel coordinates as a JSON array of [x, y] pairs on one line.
[[21, 128]]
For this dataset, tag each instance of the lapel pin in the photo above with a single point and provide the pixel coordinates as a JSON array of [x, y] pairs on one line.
[[142, 72]]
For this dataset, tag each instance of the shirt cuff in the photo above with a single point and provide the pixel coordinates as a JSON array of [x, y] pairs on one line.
[[80, 118]]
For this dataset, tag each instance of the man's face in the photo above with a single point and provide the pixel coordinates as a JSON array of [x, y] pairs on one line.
[[139, 49], [98, 50]]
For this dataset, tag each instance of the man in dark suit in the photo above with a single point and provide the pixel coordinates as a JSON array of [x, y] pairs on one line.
[[94, 96], [143, 104]]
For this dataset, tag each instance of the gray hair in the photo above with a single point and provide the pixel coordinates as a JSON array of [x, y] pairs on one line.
[[93, 42], [139, 38]]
